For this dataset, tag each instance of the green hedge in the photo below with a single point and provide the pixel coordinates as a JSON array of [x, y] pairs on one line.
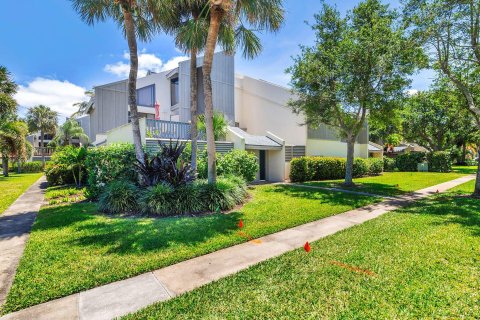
[[329, 168], [109, 163], [389, 164], [238, 163], [408, 162], [440, 161], [66, 165], [28, 167]]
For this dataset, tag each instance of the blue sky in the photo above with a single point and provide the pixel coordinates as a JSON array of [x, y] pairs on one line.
[[54, 56]]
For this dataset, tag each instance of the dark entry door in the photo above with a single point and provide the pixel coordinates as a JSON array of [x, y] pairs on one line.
[[262, 163]]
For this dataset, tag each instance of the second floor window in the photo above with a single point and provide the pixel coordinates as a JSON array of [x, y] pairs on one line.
[[146, 96], [174, 91]]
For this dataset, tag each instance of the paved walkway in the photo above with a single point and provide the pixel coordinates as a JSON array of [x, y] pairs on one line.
[[126, 296], [15, 225]]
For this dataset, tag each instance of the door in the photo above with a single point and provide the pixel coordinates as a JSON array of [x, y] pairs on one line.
[[262, 163]]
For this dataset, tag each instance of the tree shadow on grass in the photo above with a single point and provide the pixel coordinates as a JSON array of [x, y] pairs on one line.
[[368, 187], [451, 209], [127, 235], [323, 196]]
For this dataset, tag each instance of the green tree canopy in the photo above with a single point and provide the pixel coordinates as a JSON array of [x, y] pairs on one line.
[[358, 65], [68, 131], [44, 120]]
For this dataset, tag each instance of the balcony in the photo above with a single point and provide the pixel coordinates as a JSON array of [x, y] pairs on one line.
[[46, 151], [161, 129]]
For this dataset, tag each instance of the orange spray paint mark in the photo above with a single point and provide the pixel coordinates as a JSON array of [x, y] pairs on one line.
[[353, 268], [240, 224]]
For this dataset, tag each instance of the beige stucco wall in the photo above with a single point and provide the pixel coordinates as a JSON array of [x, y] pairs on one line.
[[331, 148], [261, 106], [124, 134]]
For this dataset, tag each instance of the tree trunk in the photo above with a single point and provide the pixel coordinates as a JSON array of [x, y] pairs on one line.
[[349, 165], [132, 84], [215, 19], [18, 165], [5, 165], [464, 153], [193, 105], [476, 192], [42, 150]]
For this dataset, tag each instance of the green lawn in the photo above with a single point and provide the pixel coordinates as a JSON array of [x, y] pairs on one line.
[[72, 248], [392, 183], [13, 186], [465, 169], [425, 259]]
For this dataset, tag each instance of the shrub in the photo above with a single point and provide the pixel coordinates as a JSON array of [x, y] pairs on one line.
[[299, 170], [375, 166], [119, 197], [223, 195], [408, 162], [67, 166], [388, 164], [28, 167], [440, 161], [166, 167], [360, 167], [326, 168], [107, 164], [238, 163], [157, 199]]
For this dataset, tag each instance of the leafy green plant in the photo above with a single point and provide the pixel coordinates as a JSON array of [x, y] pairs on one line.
[[107, 164], [157, 199], [440, 161], [239, 163], [166, 167], [28, 167], [360, 167], [220, 125], [119, 197], [67, 166], [375, 166], [389, 164], [408, 162]]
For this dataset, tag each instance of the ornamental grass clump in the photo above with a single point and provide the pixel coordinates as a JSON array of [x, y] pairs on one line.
[[119, 197]]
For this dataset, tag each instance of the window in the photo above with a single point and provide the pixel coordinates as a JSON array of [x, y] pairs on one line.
[[146, 96], [174, 91]]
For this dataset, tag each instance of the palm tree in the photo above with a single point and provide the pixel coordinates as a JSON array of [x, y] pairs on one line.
[[42, 118], [68, 131], [220, 125], [190, 28], [82, 106], [258, 14], [136, 19], [7, 89], [13, 142]]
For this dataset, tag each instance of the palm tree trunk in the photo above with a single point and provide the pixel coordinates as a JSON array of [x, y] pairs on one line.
[[349, 165], [18, 165], [132, 84], [193, 105], [476, 192], [215, 19], [464, 153], [5, 165], [42, 150]]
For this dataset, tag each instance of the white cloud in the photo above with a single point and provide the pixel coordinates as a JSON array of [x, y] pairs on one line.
[[58, 95], [146, 62], [411, 92]]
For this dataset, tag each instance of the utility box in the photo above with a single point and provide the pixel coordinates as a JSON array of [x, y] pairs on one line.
[[422, 167]]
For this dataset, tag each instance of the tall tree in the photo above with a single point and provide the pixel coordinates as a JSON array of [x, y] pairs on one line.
[[358, 65], [450, 33], [239, 15], [190, 29], [42, 118], [136, 19], [12, 142], [7, 89], [68, 131]]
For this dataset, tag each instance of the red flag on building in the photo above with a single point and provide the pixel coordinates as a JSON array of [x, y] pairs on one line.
[[157, 111]]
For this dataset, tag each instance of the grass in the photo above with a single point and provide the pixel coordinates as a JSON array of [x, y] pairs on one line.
[[392, 183], [465, 169], [425, 259], [64, 194], [13, 186], [72, 248]]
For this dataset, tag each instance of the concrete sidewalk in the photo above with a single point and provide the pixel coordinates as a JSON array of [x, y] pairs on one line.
[[126, 296], [15, 225]]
